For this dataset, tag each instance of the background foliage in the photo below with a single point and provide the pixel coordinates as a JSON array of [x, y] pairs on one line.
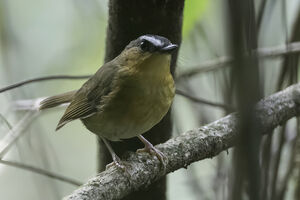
[[67, 37]]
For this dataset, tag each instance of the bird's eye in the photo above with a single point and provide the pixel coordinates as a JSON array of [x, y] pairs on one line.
[[147, 46]]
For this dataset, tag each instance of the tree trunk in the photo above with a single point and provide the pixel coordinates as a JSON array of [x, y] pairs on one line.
[[127, 21]]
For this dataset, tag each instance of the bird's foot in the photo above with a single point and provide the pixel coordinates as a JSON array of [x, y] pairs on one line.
[[116, 162], [149, 148]]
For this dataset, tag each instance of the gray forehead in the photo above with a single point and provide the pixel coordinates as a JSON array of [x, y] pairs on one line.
[[156, 41]]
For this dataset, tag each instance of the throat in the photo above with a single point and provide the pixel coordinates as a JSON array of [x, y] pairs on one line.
[[155, 66]]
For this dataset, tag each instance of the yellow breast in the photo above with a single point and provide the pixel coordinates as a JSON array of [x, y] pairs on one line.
[[139, 102]]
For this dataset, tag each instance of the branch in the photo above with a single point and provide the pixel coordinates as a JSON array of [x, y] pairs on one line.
[[17, 131], [31, 104], [207, 66], [34, 104], [41, 172], [5, 121], [267, 52], [43, 78], [203, 101], [194, 145]]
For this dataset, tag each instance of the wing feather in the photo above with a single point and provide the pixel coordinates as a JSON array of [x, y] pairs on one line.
[[88, 97], [76, 110]]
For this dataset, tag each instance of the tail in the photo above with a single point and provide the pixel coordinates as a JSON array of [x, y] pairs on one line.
[[57, 100]]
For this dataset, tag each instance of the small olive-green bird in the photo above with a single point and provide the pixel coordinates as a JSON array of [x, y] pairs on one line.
[[127, 96]]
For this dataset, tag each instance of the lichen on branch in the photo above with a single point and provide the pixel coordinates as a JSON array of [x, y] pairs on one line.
[[191, 146]]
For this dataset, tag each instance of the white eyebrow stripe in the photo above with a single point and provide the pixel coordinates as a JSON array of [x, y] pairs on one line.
[[153, 40]]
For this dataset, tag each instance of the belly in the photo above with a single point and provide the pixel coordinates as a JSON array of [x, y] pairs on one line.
[[133, 110]]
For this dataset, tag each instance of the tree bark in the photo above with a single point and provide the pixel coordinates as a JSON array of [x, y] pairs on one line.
[[191, 146], [127, 21]]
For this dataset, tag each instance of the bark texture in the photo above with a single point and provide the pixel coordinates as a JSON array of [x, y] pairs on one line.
[[127, 21], [194, 145]]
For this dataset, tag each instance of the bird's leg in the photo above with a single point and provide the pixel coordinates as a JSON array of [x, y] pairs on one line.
[[116, 160], [152, 150]]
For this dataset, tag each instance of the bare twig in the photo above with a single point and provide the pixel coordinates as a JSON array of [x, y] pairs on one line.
[[262, 53], [43, 78], [207, 66], [203, 101], [192, 146], [261, 12], [11, 137], [41, 172], [5, 121], [33, 104], [16, 132]]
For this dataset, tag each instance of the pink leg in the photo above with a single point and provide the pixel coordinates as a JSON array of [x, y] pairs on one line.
[[116, 160], [152, 150]]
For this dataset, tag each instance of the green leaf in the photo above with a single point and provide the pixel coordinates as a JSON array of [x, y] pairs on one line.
[[193, 10]]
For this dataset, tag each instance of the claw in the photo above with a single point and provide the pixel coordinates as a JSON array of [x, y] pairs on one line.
[[119, 164], [116, 162], [149, 148], [153, 151]]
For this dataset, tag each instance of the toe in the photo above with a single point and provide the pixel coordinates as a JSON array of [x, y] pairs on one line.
[[153, 151], [119, 165]]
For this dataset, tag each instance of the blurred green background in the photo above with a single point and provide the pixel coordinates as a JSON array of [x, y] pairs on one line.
[[39, 37]]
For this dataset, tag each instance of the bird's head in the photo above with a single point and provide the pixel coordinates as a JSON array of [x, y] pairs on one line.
[[152, 44], [148, 47]]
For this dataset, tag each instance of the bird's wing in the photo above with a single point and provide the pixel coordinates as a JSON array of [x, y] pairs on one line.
[[88, 97]]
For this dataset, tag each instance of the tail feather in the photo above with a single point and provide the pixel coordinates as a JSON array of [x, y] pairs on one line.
[[57, 100]]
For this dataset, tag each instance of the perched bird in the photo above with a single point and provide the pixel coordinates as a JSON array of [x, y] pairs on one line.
[[126, 97]]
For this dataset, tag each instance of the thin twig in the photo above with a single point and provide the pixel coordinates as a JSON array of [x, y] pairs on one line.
[[208, 66], [16, 132], [33, 104], [281, 50], [261, 12], [203, 101], [5, 121], [262, 53], [43, 78], [41, 172]]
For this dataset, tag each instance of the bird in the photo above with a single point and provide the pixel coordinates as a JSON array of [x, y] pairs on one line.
[[126, 97]]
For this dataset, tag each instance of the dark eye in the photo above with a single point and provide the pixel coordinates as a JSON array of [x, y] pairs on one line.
[[147, 46]]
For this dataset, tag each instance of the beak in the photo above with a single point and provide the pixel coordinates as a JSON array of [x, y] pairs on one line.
[[169, 48]]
